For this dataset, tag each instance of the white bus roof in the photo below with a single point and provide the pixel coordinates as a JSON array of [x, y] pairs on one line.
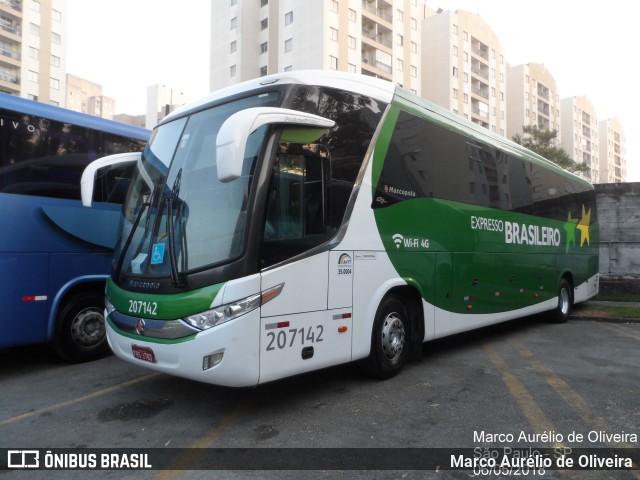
[[365, 85]]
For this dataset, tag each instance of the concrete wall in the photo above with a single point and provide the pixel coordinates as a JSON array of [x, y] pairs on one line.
[[619, 220]]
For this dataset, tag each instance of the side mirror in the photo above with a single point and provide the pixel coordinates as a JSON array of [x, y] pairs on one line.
[[87, 181], [234, 133]]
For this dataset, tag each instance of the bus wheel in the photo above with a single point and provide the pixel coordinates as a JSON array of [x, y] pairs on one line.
[[565, 302], [80, 330], [389, 340]]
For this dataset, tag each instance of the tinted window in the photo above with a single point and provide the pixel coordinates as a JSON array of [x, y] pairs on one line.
[[356, 118], [46, 158], [426, 160]]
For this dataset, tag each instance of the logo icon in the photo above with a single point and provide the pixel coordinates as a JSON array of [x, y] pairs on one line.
[[140, 326], [398, 240], [23, 459]]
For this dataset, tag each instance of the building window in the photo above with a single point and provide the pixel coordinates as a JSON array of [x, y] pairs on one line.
[[55, 60], [263, 2], [263, 71], [351, 68], [414, 24], [56, 39], [400, 40], [288, 45], [400, 16], [264, 24], [33, 76], [288, 18], [352, 15], [333, 62], [55, 84], [264, 47], [352, 42], [455, 50], [414, 71], [334, 6], [34, 29], [233, 46], [234, 22], [400, 64], [333, 34], [288, 68], [56, 15], [455, 93], [455, 30], [234, 2], [414, 47], [34, 53], [232, 71], [35, 6], [455, 72]]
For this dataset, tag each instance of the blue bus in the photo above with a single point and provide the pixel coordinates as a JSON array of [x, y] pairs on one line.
[[55, 255]]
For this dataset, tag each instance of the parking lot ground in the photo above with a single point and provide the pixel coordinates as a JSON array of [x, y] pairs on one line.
[[505, 386]]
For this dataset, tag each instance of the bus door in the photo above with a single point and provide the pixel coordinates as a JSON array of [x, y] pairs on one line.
[[308, 326]]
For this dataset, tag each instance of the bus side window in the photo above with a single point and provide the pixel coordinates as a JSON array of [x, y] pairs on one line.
[[297, 203]]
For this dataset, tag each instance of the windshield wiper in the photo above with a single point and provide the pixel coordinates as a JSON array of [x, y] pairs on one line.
[[173, 262], [127, 243]]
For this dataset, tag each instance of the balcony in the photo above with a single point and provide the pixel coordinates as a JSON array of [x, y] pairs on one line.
[[543, 92], [377, 32], [479, 48], [480, 69], [380, 9], [480, 89], [377, 64], [543, 108]]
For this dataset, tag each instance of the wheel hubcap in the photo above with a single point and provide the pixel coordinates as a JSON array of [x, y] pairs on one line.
[[393, 336], [87, 329], [564, 301]]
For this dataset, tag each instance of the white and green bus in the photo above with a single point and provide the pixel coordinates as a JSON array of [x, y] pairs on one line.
[[313, 218]]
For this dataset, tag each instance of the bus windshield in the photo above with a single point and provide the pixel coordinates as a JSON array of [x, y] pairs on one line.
[[178, 216]]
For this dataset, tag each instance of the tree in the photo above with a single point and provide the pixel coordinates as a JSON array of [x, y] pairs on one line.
[[544, 143]]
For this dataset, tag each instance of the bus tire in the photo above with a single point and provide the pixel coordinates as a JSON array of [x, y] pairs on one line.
[[390, 339], [80, 334], [565, 302]]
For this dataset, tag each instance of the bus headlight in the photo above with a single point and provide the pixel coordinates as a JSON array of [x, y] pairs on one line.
[[229, 311]]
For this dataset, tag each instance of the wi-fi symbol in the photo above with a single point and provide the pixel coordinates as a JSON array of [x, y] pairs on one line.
[[398, 239]]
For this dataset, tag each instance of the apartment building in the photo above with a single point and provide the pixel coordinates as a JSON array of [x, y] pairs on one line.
[[380, 38], [86, 96], [161, 101], [532, 99], [464, 69], [613, 163], [32, 43], [579, 125]]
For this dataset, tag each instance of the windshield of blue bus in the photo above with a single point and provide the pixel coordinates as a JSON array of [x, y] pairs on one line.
[[178, 216]]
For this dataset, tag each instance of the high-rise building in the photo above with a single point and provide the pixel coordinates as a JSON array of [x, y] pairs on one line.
[[380, 38], [579, 125], [161, 101], [86, 96], [613, 157], [464, 69], [32, 43], [532, 99]]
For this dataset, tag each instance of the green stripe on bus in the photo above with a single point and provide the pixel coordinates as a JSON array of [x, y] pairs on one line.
[[162, 307]]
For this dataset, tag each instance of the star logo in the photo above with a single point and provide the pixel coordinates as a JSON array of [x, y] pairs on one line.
[[583, 226], [573, 224]]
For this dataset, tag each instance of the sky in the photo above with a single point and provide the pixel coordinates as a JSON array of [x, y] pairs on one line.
[[128, 45]]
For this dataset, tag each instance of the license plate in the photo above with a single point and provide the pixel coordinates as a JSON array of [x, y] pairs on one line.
[[143, 353]]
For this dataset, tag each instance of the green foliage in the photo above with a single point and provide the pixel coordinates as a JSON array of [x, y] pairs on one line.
[[544, 143]]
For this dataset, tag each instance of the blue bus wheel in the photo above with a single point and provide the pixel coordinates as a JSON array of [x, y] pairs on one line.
[[80, 329]]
